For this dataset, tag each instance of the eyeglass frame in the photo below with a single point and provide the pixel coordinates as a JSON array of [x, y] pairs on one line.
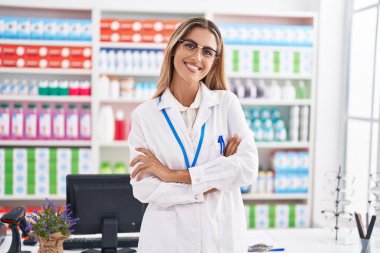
[[198, 46]]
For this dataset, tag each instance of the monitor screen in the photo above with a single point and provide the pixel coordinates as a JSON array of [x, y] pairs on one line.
[[96, 197]]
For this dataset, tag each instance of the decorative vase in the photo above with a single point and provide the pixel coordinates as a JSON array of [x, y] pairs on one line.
[[52, 245]]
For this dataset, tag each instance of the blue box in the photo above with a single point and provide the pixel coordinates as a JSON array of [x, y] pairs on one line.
[[36, 29]]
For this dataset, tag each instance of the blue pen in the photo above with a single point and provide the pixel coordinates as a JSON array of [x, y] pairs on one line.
[[276, 249], [222, 144]]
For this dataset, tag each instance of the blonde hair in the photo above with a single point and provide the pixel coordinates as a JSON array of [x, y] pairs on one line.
[[215, 78]]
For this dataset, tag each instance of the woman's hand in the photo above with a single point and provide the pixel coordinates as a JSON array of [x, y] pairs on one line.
[[149, 164], [232, 146], [231, 149]]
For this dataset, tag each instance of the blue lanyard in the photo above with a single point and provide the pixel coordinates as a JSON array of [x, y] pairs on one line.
[[180, 142]]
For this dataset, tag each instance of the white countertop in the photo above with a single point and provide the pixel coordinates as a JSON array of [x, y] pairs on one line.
[[312, 240]]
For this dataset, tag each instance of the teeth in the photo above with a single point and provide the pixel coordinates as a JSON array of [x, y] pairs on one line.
[[192, 67]]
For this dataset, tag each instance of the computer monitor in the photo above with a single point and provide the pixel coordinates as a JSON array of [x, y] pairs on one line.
[[104, 204]]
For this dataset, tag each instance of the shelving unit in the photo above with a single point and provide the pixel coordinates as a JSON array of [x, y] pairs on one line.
[[46, 42], [102, 151], [71, 99], [32, 71]]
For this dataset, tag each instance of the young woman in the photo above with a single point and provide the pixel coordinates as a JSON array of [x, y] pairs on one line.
[[191, 150]]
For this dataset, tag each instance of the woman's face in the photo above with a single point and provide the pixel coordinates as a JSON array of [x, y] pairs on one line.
[[191, 64]]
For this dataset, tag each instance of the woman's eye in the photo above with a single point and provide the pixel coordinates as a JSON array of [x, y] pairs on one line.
[[189, 45], [208, 52]]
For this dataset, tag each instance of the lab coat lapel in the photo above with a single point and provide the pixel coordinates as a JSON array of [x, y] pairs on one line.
[[174, 114], [209, 99]]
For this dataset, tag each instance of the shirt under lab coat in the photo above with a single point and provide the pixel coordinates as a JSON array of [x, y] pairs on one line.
[[179, 217]]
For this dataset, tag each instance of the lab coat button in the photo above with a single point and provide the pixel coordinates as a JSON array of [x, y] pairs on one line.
[[196, 196]]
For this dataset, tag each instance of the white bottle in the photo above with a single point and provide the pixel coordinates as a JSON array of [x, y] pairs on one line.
[[107, 124], [294, 123], [274, 90], [240, 89], [288, 91], [115, 89], [262, 89], [104, 87]]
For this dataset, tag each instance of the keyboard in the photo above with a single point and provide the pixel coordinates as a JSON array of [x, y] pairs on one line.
[[92, 243]]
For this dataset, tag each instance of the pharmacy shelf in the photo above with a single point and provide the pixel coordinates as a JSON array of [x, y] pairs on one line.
[[32, 197], [267, 145], [43, 143], [47, 42], [273, 196], [70, 99], [273, 102], [126, 45], [114, 144], [122, 101], [73, 72], [268, 76], [284, 145], [131, 74]]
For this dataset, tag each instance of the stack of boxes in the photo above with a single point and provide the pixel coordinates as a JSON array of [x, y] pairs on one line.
[[45, 29], [136, 31], [268, 60], [277, 216], [23, 56], [291, 171], [40, 171]]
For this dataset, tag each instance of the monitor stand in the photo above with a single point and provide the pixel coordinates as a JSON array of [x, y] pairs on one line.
[[109, 238]]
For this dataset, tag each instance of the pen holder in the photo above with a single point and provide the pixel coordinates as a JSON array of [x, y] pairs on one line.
[[366, 245]]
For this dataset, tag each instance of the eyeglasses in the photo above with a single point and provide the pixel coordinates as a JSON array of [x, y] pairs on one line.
[[190, 47]]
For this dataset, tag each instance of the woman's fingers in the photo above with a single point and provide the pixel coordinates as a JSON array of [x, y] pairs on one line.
[[146, 152], [139, 158], [235, 146], [230, 143], [138, 169]]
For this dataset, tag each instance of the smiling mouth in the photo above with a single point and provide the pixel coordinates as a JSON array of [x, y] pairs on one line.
[[192, 68]]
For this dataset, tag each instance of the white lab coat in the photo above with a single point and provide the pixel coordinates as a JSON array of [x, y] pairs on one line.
[[179, 218]]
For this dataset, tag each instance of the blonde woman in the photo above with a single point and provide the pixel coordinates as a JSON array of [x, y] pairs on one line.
[[191, 150]]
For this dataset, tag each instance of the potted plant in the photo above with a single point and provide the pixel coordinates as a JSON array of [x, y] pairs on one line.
[[51, 225]]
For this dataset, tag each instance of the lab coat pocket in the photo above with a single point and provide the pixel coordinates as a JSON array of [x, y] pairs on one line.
[[158, 232]]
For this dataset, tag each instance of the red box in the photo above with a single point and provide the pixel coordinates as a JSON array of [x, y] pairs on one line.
[[86, 64], [110, 24], [32, 62], [131, 24], [152, 25], [14, 61], [58, 63], [167, 35], [80, 52], [152, 37], [32, 51], [9, 50], [109, 36], [171, 25]]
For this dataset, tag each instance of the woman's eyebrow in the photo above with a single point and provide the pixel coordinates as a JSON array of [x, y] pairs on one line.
[[209, 47]]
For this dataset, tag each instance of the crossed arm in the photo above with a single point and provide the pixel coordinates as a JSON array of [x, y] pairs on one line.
[[150, 164]]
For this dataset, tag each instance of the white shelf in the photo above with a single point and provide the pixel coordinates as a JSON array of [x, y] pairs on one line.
[[73, 72], [285, 144], [47, 143], [73, 99], [47, 42], [268, 145], [268, 76], [114, 144], [134, 74], [274, 102], [127, 45], [32, 197], [122, 101], [274, 196]]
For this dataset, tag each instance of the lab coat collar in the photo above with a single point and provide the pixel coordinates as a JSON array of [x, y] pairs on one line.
[[209, 98]]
